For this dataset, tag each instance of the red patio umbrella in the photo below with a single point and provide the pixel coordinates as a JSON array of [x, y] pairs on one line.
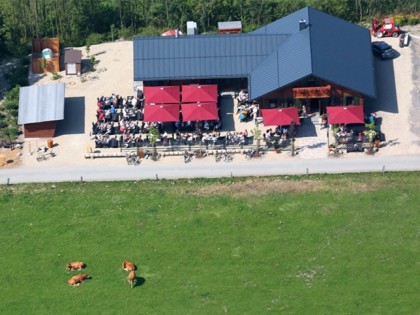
[[199, 111], [345, 114], [162, 94], [199, 93], [280, 116], [161, 113]]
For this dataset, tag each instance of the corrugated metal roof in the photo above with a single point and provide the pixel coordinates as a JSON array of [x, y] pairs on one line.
[[341, 53], [289, 63], [72, 56], [39, 103], [271, 57], [286, 25], [230, 25], [203, 56]]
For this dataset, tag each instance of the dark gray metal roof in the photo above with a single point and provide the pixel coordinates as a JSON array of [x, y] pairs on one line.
[[203, 56], [72, 56], [289, 63], [341, 53], [39, 103], [286, 25], [331, 48], [272, 57]]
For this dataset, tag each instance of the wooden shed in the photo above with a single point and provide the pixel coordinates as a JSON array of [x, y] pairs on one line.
[[73, 61], [231, 27], [40, 107], [49, 48]]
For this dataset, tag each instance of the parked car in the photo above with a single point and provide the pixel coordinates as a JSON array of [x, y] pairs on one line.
[[383, 50]]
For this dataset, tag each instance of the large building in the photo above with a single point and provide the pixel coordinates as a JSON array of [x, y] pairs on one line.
[[306, 57]]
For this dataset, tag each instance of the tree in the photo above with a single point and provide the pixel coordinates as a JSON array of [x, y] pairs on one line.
[[8, 119], [153, 137], [257, 133]]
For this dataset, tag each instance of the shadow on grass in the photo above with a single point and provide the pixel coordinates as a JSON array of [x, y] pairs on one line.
[[139, 282]]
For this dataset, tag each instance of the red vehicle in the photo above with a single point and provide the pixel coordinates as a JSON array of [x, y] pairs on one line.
[[386, 29]]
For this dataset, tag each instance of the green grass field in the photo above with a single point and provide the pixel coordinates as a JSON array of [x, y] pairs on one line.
[[345, 244]]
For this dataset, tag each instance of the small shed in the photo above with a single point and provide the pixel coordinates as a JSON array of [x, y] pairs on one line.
[[232, 27], [47, 49], [73, 61], [40, 107]]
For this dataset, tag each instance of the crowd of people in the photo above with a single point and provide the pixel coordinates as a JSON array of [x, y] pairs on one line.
[[120, 123]]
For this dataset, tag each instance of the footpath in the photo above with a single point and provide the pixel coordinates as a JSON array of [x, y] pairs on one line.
[[208, 168]]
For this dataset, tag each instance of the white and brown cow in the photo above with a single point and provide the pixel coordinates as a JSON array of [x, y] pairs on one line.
[[129, 266], [131, 278], [78, 279], [76, 265]]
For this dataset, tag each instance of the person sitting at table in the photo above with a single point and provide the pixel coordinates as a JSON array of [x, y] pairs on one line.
[[112, 110], [243, 115], [138, 140], [269, 134], [214, 137], [217, 125], [372, 117], [242, 96], [101, 117], [134, 102], [188, 125], [206, 125]]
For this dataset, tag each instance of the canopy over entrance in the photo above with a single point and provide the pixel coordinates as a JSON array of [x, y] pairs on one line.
[[199, 93], [161, 113], [280, 116], [199, 111], [345, 114], [162, 94]]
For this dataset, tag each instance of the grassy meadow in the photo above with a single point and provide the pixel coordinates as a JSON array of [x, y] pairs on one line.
[[343, 244]]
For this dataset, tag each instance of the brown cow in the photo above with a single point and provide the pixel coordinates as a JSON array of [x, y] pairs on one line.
[[131, 278], [78, 279], [77, 265], [129, 266]]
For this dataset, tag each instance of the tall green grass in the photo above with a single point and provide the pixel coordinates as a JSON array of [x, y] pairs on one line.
[[320, 245]]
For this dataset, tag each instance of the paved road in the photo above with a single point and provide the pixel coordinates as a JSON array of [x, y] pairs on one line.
[[256, 167]]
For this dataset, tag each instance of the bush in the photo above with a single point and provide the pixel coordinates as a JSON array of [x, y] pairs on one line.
[[9, 113], [149, 31], [18, 76], [25, 61], [126, 33], [95, 38], [413, 20]]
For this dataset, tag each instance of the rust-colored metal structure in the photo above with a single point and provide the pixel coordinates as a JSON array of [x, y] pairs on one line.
[[44, 129], [52, 63]]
